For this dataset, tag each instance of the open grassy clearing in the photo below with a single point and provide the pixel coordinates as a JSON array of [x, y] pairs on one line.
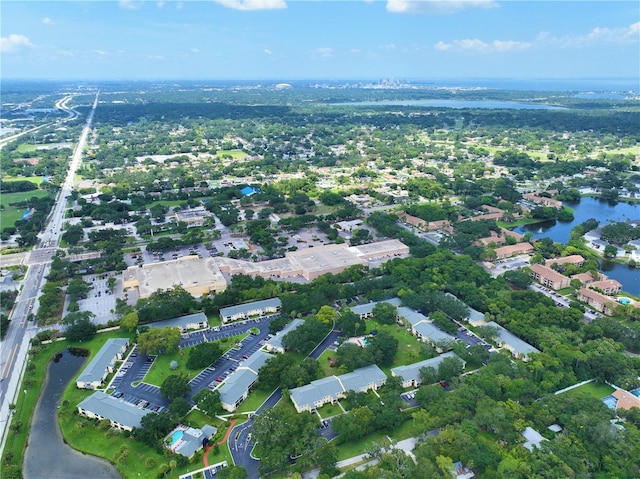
[[24, 147], [597, 390], [411, 350], [351, 449], [36, 180], [235, 154], [161, 370], [11, 214]]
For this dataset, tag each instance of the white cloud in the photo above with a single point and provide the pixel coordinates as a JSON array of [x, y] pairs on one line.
[[14, 42], [253, 4], [154, 57], [195, 50], [437, 7], [130, 4], [324, 52], [159, 4], [620, 35], [479, 46], [268, 52], [47, 21], [102, 53]]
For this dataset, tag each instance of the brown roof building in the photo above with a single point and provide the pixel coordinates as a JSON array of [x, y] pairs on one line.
[[413, 220], [513, 250], [626, 400], [543, 201], [439, 225], [597, 301], [549, 278], [607, 286], [588, 277], [574, 259]]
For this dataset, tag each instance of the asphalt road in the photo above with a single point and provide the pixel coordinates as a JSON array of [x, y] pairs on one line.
[[240, 443], [16, 343]]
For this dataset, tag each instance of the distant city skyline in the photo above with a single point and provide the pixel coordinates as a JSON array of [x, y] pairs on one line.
[[297, 40]]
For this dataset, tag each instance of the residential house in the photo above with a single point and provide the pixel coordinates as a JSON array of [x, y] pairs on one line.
[[238, 384], [275, 343], [514, 250], [597, 301], [331, 389], [365, 311], [121, 414], [410, 374], [549, 277], [248, 310], [607, 286], [519, 348], [186, 323], [103, 363], [574, 259]]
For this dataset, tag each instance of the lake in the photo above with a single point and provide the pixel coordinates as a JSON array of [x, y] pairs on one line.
[[604, 212], [458, 104]]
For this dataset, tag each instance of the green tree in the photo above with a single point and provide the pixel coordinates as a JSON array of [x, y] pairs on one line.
[[82, 330], [327, 315], [175, 386], [208, 402], [159, 341], [129, 321], [204, 354], [385, 313]]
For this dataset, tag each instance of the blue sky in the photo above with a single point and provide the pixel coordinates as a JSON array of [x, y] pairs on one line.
[[317, 39]]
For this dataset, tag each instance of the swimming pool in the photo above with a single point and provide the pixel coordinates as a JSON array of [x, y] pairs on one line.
[[176, 436], [635, 392], [610, 401], [624, 300]]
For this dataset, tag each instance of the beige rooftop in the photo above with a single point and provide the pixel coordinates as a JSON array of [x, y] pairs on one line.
[[198, 276]]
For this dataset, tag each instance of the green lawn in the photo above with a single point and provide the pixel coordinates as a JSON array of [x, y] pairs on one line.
[[23, 147], [409, 349], [11, 214], [597, 390], [330, 410], [36, 180], [406, 430], [161, 370], [235, 154], [255, 399]]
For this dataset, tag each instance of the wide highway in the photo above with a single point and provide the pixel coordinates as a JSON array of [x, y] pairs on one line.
[[13, 353]]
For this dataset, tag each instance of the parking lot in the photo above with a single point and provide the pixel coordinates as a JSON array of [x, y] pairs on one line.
[[137, 365]]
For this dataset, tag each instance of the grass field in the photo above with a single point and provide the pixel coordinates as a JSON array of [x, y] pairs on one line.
[[597, 390], [235, 154], [161, 370], [11, 214], [411, 350], [36, 180], [23, 147]]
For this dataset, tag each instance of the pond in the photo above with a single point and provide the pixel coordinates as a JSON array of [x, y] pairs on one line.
[[47, 455]]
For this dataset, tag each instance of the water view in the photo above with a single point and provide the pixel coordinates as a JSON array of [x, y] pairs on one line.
[[604, 212]]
